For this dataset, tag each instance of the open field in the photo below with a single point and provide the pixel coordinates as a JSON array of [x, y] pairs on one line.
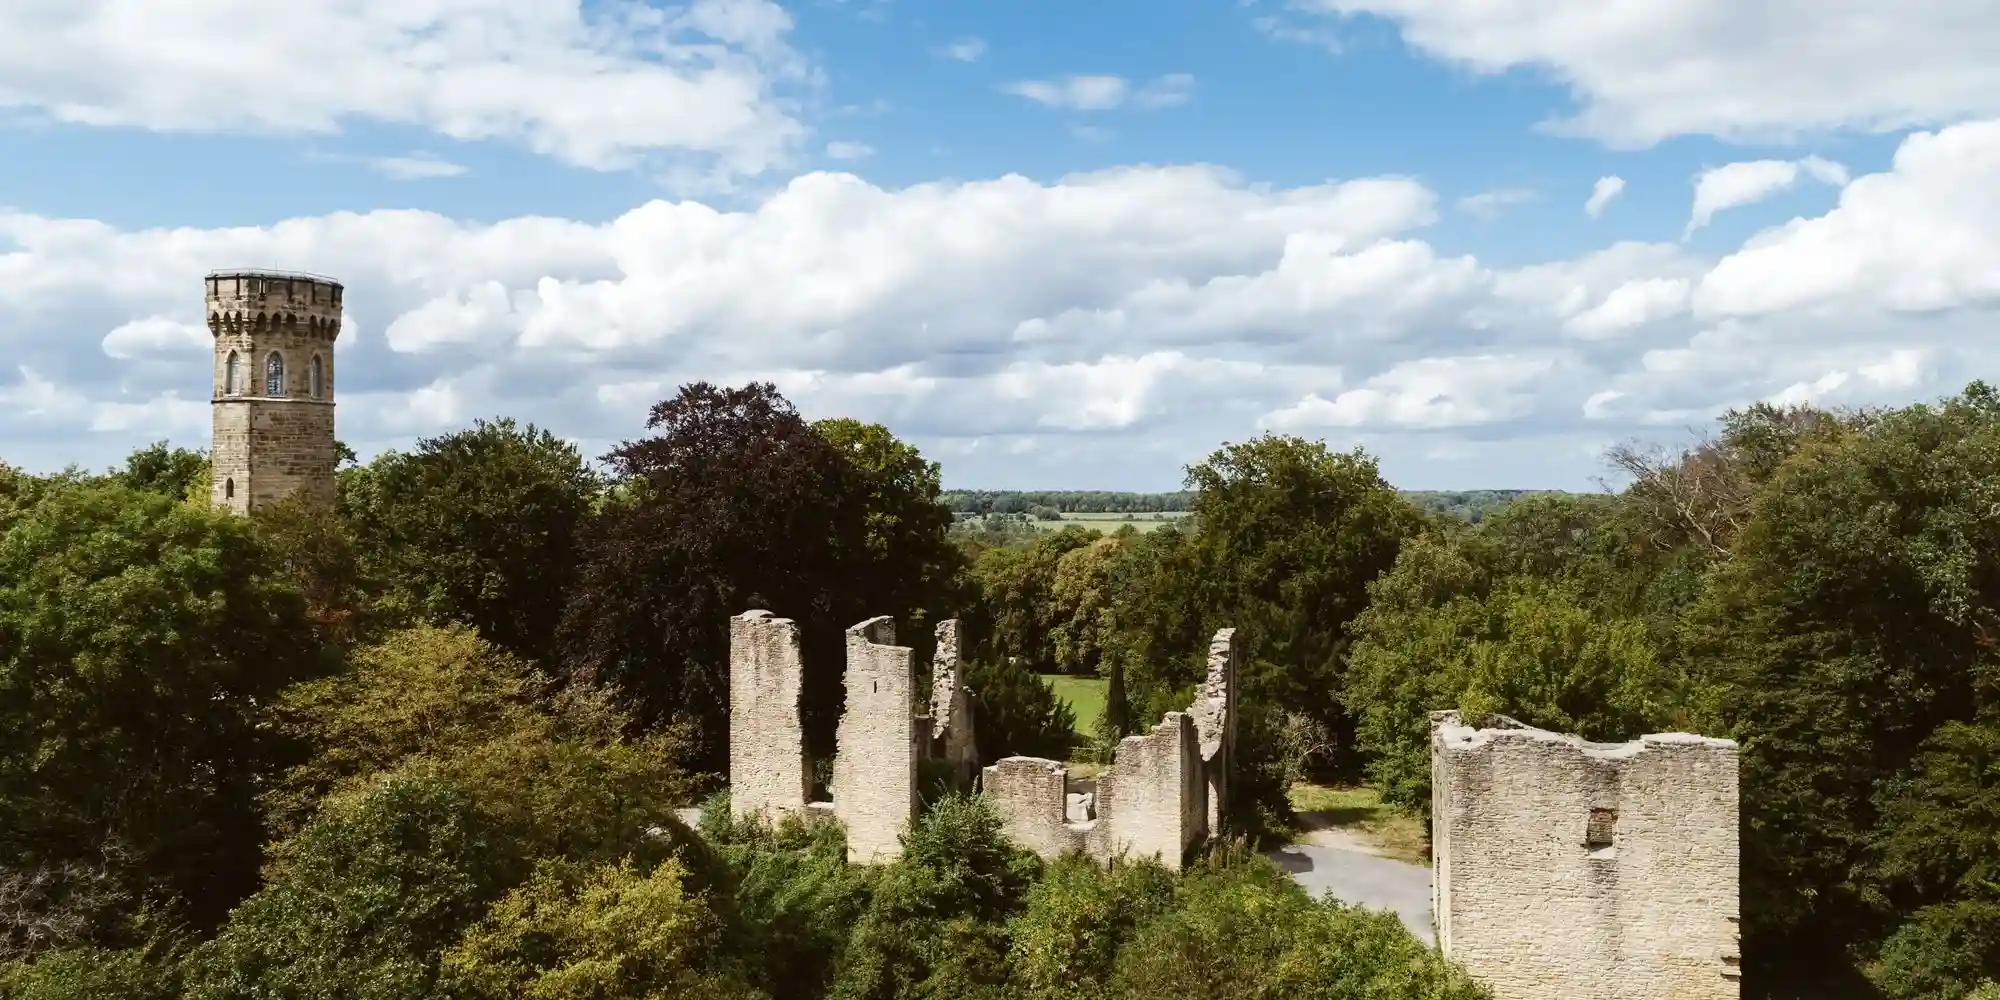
[[1355, 818], [1085, 696], [1112, 522]]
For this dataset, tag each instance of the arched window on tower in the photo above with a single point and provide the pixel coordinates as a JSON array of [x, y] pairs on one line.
[[274, 375], [232, 375], [318, 377]]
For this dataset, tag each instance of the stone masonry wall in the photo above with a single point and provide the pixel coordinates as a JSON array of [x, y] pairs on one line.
[[768, 771], [1028, 793], [1215, 722], [951, 711], [875, 769], [1568, 870], [1153, 799]]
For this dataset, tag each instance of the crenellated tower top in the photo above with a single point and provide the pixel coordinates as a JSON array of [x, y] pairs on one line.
[[247, 300]]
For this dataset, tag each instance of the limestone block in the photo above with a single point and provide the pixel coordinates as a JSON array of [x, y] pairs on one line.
[[1152, 800], [1028, 793]]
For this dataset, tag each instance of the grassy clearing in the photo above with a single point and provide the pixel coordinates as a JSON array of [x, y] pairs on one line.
[[1357, 813], [1108, 523], [1085, 696]]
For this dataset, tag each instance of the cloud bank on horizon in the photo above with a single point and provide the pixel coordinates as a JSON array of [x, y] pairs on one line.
[[1047, 261]]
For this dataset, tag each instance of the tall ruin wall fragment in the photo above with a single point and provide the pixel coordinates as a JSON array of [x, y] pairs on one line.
[[768, 770], [875, 769], [1570, 870], [880, 741]]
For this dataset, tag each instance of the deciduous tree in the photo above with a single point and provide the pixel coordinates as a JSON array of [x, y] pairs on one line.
[[139, 639], [477, 527]]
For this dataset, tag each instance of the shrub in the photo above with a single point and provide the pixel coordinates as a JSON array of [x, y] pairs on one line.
[[1240, 927], [88, 974], [1015, 713], [795, 896], [375, 888], [935, 925], [581, 933], [1942, 952], [1074, 922]]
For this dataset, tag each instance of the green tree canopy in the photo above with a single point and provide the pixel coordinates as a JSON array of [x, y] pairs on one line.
[[910, 565], [478, 527], [736, 503], [139, 639], [171, 472], [1290, 536], [1853, 620]]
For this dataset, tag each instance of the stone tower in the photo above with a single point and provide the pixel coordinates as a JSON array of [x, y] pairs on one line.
[[273, 396]]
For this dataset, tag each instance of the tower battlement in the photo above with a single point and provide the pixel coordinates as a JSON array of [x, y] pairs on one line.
[[250, 300], [272, 384]]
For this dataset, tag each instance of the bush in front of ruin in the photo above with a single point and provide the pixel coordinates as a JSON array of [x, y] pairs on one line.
[[1076, 918], [936, 923], [1239, 926]]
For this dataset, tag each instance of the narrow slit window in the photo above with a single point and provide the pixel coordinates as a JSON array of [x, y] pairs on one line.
[[232, 375], [318, 377], [274, 375], [229, 489]]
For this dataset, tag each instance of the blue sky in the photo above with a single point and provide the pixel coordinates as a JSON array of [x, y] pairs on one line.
[[1361, 220]]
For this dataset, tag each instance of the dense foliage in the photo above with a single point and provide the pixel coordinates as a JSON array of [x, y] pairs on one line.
[[478, 527], [432, 741]]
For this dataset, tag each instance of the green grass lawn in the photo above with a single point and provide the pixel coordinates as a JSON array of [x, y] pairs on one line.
[[1085, 696], [1109, 523]]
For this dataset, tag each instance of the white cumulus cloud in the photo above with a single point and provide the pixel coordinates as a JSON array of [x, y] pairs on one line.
[[1738, 69], [1101, 92], [1103, 328], [1489, 205], [964, 49], [415, 167], [1735, 185], [595, 86], [1923, 236], [1602, 193]]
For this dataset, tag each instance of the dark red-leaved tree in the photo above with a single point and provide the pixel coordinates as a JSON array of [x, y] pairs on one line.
[[735, 502]]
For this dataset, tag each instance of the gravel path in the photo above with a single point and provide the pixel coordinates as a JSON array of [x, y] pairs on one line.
[[1361, 879]]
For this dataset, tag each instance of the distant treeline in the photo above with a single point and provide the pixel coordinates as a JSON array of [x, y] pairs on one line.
[[1472, 505], [1064, 501]]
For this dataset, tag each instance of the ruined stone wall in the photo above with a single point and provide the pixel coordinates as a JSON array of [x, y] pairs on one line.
[[1029, 793], [768, 770], [1215, 723], [1567, 870], [1153, 799], [267, 445], [875, 769], [951, 712], [1165, 791]]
